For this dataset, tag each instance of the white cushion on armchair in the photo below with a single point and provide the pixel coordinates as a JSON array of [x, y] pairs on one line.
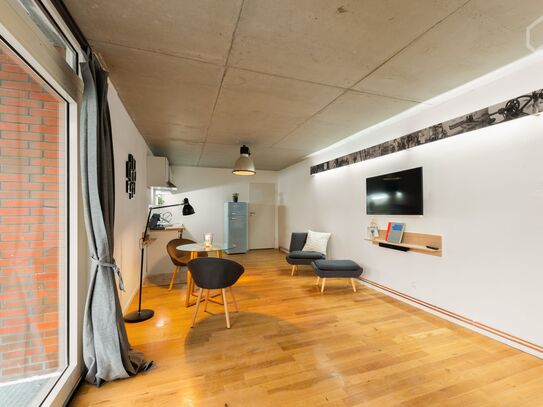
[[316, 242]]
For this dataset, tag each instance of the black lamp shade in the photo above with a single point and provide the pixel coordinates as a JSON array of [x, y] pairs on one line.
[[187, 208]]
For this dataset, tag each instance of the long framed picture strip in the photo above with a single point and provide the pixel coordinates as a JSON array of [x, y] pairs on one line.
[[521, 106]]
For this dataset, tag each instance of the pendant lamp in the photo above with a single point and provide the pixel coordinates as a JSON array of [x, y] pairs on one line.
[[244, 165]]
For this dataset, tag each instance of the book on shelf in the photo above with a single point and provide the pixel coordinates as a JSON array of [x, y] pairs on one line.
[[395, 232], [388, 230]]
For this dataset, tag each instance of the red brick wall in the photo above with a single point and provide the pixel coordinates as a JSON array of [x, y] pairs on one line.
[[32, 271]]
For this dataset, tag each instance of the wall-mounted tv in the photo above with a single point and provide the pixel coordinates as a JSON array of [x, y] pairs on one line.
[[397, 193]]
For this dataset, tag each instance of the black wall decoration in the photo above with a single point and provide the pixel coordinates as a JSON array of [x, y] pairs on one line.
[[131, 176], [518, 107]]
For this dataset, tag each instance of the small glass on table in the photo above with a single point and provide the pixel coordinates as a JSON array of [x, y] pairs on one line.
[[208, 239]]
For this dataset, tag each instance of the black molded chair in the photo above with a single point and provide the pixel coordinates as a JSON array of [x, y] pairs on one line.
[[298, 257], [215, 274]]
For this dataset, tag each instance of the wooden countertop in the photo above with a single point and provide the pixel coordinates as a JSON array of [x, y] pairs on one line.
[[166, 230], [149, 240]]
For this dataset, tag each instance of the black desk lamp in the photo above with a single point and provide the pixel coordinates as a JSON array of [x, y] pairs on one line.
[[187, 207], [144, 314]]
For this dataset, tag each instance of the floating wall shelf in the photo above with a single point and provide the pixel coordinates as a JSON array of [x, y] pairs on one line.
[[415, 242]]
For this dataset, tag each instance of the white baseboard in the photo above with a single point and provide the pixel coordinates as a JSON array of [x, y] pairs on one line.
[[130, 299]]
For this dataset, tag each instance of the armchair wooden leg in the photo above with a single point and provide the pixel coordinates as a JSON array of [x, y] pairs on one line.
[[226, 308], [173, 277], [197, 307], [323, 283], [233, 298], [353, 284], [294, 269], [206, 301], [318, 279]]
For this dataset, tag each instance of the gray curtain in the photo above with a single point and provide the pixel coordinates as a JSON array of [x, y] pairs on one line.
[[106, 351]]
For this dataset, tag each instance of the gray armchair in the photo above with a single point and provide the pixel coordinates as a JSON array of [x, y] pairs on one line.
[[298, 257]]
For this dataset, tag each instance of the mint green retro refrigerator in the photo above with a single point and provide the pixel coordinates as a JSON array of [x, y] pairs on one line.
[[236, 227]]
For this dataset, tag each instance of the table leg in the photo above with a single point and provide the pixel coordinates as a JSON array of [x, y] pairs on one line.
[[189, 289], [218, 253], [190, 283]]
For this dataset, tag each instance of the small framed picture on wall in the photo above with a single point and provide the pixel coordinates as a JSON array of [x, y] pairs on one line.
[[373, 232]]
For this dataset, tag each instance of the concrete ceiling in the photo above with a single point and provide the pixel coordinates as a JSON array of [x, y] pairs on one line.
[[289, 77]]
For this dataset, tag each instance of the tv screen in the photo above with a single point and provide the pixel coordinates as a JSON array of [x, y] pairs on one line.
[[397, 193]]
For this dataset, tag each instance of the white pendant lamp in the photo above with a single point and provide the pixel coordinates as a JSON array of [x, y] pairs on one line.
[[244, 165]]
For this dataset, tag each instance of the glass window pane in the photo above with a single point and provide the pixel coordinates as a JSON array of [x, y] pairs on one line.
[[33, 219]]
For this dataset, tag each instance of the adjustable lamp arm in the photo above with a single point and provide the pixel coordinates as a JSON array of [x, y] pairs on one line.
[[149, 215]]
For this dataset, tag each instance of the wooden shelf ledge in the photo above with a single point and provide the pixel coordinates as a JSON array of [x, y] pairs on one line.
[[166, 230], [415, 242]]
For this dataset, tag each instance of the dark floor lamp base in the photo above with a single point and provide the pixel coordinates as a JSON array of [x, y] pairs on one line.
[[139, 316]]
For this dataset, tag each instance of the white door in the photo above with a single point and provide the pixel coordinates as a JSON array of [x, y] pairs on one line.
[[261, 216]]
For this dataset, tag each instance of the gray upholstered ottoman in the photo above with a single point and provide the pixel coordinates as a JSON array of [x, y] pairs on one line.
[[336, 269]]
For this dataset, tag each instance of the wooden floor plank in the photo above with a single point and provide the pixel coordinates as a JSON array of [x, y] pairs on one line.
[[291, 345]]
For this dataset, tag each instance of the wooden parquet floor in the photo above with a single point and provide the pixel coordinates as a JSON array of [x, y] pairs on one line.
[[290, 345]]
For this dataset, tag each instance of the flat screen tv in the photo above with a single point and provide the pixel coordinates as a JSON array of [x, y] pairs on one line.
[[397, 193]]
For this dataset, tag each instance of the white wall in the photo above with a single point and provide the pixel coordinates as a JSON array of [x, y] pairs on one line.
[[207, 189], [130, 214], [483, 192]]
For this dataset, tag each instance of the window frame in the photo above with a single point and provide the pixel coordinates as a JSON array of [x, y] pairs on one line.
[[52, 22], [19, 32], [65, 30]]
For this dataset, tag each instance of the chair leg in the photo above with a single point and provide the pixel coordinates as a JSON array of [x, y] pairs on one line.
[[173, 277], [206, 301], [197, 306], [226, 308], [323, 283], [233, 298], [193, 287], [318, 279], [294, 269], [353, 284]]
